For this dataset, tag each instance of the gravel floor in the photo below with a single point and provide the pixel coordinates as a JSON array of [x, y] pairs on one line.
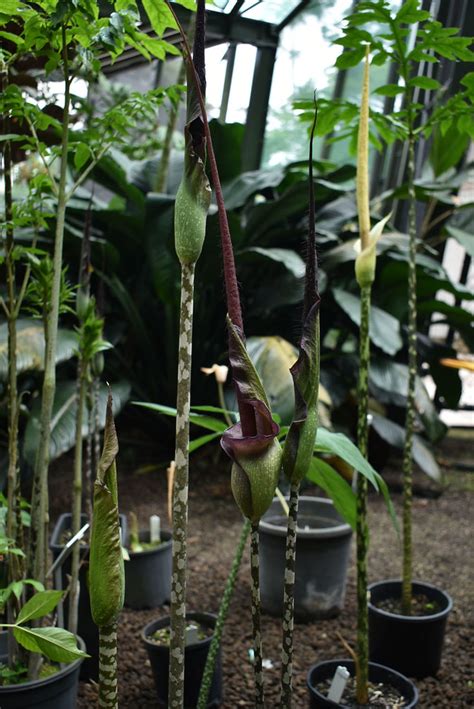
[[443, 528]]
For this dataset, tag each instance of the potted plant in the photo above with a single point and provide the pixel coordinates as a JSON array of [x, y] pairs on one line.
[[57, 681], [199, 634], [413, 614], [148, 567], [331, 683]]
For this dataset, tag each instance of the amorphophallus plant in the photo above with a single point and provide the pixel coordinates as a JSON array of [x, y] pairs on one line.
[[191, 207], [106, 571], [299, 443], [252, 443], [365, 265]]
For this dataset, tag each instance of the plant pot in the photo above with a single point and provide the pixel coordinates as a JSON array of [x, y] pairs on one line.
[[59, 691], [410, 644], [377, 673], [322, 558], [194, 662], [148, 574], [86, 627], [3, 647]]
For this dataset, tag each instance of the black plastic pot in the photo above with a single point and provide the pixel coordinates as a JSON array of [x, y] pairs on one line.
[[59, 691], [322, 558], [86, 627], [377, 673], [148, 574], [194, 662], [411, 644]]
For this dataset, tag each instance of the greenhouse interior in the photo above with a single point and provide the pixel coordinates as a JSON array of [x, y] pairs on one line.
[[237, 354]]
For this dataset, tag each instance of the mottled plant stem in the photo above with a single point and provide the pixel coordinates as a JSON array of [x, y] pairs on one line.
[[289, 599], [87, 497], [14, 561], [221, 618], [77, 499], [362, 531], [39, 507], [108, 686], [180, 496], [257, 633], [412, 370]]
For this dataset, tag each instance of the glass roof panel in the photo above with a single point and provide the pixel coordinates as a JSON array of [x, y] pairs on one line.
[[273, 11]]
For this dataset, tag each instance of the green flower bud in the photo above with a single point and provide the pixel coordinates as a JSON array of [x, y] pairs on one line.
[[190, 214], [254, 480]]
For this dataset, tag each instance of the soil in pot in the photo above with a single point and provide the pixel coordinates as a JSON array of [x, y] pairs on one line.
[[148, 573], [322, 556], [388, 689], [411, 644], [56, 687], [155, 637]]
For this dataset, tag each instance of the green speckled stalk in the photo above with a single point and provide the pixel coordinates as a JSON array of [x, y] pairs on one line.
[[221, 618], [256, 627], [412, 370], [362, 531], [289, 599], [180, 496], [108, 684]]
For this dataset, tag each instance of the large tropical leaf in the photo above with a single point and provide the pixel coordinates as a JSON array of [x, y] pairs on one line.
[[389, 382], [384, 328], [30, 346], [57, 644], [63, 423], [340, 492], [395, 435]]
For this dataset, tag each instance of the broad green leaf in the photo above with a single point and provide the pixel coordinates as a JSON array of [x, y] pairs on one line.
[[57, 644], [338, 489], [424, 82], [395, 435], [82, 153], [389, 90], [384, 328], [285, 257], [30, 346], [208, 422], [465, 238], [338, 444], [63, 424], [160, 16], [198, 442], [39, 605]]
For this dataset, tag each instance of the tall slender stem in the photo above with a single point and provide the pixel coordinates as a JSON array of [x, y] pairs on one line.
[[108, 684], [412, 371], [38, 551], [362, 531], [14, 561], [180, 496], [77, 499], [257, 633], [289, 599], [221, 618]]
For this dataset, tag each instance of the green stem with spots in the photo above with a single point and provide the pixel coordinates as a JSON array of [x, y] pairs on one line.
[[289, 599], [412, 371], [180, 495], [362, 531], [108, 679], [256, 626], [77, 499], [221, 618], [39, 508]]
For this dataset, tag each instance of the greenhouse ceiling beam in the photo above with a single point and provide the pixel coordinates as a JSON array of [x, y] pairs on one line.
[[221, 28], [255, 124], [291, 16]]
